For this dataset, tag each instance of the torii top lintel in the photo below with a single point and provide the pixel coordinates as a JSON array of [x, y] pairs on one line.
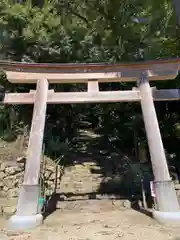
[[80, 73]]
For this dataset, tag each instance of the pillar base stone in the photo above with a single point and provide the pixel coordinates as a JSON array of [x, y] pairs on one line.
[[167, 218], [24, 222]]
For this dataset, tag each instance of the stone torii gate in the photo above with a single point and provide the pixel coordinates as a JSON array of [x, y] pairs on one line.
[[142, 73]]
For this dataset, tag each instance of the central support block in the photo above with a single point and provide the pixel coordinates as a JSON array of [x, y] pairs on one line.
[[166, 196], [27, 216], [168, 208], [167, 218], [21, 223]]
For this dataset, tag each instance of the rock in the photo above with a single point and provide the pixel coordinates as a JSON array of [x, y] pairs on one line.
[[48, 192], [177, 186], [2, 175], [50, 186], [9, 210], [3, 167], [19, 175], [5, 189], [89, 164], [178, 193], [21, 166], [21, 159], [10, 181], [1, 185], [50, 168], [12, 170], [52, 176], [47, 174], [96, 167], [18, 180], [118, 203], [12, 193], [127, 204]]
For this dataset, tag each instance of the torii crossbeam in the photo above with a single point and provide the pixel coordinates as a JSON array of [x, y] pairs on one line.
[[27, 215]]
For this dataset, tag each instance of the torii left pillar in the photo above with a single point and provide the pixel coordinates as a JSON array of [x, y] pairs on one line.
[[27, 216]]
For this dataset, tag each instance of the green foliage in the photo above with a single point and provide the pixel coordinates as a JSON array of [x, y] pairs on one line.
[[90, 31]]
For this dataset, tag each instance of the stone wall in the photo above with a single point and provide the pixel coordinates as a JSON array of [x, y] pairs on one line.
[[12, 172], [11, 177], [77, 179]]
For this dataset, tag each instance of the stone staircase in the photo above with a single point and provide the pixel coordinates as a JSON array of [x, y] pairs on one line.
[[79, 179]]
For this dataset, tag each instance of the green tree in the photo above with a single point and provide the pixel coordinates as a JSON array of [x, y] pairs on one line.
[[92, 31]]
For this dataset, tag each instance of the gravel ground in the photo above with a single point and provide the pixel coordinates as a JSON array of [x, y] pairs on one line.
[[94, 220]]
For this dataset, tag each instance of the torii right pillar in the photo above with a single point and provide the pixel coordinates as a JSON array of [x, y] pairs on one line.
[[168, 211]]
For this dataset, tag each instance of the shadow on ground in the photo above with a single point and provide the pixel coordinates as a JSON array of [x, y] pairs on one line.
[[55, 199], [121, 173]]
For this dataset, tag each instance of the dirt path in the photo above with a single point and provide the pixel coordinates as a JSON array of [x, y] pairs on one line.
[[95, 220], [80, 218]]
